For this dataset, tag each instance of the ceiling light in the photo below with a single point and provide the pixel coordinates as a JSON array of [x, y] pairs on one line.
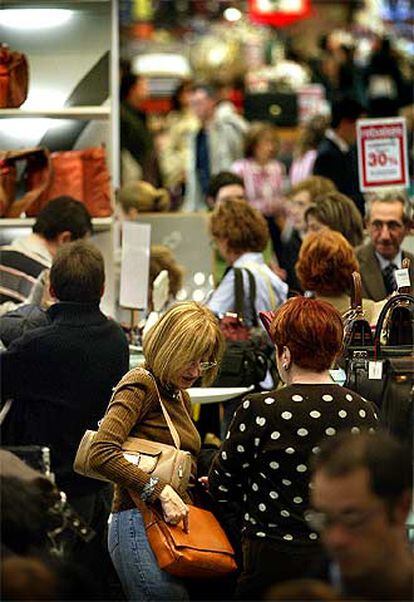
[[232, 14], [34, 18]]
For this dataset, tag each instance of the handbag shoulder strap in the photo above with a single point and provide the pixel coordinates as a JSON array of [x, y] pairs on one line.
[[262, 269], [239, 294]]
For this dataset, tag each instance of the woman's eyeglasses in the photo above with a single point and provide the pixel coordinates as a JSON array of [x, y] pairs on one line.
[[203, 366]]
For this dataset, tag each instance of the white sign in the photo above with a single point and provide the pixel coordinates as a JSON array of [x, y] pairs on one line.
[[311, 101], [136, 240], [382, 153]]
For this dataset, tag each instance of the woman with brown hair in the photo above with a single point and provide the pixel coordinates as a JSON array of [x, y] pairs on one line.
[[337, 212], [263, 177], [184, 345], [325, 266], [264, 461]]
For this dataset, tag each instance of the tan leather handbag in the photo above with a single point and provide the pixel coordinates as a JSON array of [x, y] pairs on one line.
[[167, 462], [202, 552]]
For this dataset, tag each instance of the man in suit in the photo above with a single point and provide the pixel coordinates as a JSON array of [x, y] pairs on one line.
[[337, 158], [387, 222]]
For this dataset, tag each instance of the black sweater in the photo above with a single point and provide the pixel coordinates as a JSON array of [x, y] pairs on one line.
[[60, 378]]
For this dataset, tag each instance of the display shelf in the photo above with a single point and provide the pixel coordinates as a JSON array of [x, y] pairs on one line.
[[101, 112], [100, 224]]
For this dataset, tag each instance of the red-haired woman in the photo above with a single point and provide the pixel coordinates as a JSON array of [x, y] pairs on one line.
[[264, 462]]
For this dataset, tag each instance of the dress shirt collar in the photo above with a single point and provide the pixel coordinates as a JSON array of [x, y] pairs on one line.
[[34, 246], [397, 260], [337, 140], [248, 258]]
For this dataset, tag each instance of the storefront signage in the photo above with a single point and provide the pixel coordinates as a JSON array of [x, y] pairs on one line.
[[278, 12], [382, 153]]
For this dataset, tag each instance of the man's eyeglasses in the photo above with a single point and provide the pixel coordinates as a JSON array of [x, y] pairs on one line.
[[392, 225], [203, 366], [321, 521]]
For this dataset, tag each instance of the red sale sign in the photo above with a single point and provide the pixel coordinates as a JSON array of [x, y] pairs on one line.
[[382, 153]]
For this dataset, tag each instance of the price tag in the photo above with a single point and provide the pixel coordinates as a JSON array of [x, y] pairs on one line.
[[382, 153], [402, 278], [374, 370]]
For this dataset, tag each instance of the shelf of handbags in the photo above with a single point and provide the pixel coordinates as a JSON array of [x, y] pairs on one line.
[[98, 112], [100, 224]]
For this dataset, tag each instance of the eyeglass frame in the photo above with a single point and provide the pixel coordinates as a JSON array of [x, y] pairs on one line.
[[326, 520], [203, 366]]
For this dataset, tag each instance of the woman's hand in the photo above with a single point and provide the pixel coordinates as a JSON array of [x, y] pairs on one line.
[[173, 507]]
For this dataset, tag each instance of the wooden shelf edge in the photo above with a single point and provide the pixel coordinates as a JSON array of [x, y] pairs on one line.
[[100, 224], [98, 112]]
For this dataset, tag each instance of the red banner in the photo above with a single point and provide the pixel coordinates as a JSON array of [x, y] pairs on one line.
[[278, 12]]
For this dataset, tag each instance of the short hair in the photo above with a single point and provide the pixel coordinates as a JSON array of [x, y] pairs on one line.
[[78, 273], [175, 97], [339, 213], [143, 197], [241, 225], [162, 258], [311, 329], [221, 179], [312, 134], [128, 81], [315, 185], [326, 262], [345, 108], [255, 132], [390, 196], [209, 89], [387, 461], [62, 214], [187, 332]]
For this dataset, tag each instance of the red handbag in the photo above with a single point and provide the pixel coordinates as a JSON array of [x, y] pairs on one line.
[[14, 78], [82, 174]]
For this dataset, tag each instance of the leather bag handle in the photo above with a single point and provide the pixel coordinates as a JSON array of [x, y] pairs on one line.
[[356, 291], [239, 294], [392, 301]]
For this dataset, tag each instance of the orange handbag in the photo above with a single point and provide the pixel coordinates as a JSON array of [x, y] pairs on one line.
[[203, 552], [14, 78], [82, 174]]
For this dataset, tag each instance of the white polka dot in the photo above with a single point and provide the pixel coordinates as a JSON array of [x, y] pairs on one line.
[[302, 432], [245, 497], [224, 455], [275, 435], [316, 450], [272, 525], [330, 431], [297, 500], [257, 442], [274, 465], [246, 404], [315, 414], [290, 450], [252, 520], [222, 488], [242, 427], [228, 435], [313, 536], [371, 430], [362, 413], [260, 420], [285, 513], [286, 482], [342, 414], [227, 474], [288, 537], [375, 416], [245, 465], [260, 534], [274, 495], [301, 468], [255, 487], [355, 430], [246, 516], [269, 401], [261, 474], [287, 415], [327, 397], [297, 398], [349, 397], [240, 449], [262, 507]]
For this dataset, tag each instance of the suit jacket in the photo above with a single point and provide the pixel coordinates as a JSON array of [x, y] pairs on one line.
[[341, 168], [372, 282]]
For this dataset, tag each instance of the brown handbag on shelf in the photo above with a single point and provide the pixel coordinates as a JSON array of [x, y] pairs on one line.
[[35, 179], [202, 552], [82, 174], [167, 462], [14, 78]]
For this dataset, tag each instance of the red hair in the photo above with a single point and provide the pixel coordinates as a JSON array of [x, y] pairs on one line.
[[311, 329]]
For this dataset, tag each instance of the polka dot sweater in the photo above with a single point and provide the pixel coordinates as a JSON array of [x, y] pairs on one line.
[[264, 462]]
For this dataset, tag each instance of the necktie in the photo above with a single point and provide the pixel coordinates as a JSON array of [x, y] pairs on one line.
[[202, 160], [389, 278]]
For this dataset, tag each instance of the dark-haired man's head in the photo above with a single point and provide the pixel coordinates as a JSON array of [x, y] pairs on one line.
[[361, 492], [78, 273], [134, 89], [345, 113], [62, 220], [223, 186], [203, 102]]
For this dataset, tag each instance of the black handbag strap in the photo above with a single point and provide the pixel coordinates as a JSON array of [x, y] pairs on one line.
[[390, 304], [239, 294]]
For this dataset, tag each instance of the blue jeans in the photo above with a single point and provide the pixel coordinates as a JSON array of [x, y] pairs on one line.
[[135, 563]]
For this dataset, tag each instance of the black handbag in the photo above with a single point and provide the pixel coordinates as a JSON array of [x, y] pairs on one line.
[[277, 108], [245, 360]]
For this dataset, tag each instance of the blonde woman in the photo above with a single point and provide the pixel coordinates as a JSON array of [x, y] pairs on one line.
[[184, 344]]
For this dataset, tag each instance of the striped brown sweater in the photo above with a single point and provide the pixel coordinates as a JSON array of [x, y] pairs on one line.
[[135, 410]]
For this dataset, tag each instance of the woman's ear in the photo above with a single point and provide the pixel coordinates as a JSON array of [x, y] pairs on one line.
[[286, 356]]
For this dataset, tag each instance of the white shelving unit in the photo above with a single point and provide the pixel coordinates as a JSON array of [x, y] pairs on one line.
[[59, 59]]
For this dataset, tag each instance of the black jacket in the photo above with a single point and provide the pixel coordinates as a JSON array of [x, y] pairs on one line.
[[60, 378], [341, 168]]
